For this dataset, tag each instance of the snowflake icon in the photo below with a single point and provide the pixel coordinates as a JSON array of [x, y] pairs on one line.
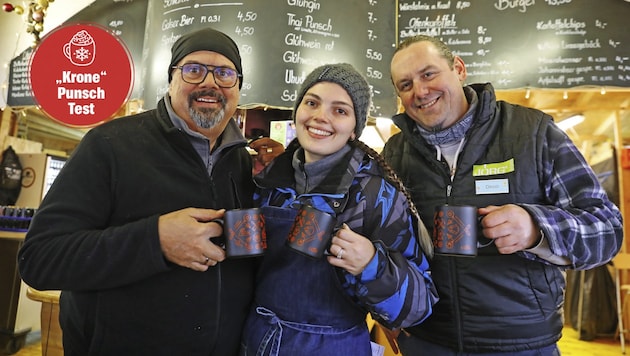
[[82, 54]]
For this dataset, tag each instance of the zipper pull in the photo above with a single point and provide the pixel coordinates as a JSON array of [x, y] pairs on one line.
[[448, 190]]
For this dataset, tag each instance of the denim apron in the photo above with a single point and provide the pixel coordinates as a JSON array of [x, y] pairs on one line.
[[300, 308]]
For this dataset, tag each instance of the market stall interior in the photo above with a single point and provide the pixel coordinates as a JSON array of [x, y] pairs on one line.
[[514, 47], [600, 126]]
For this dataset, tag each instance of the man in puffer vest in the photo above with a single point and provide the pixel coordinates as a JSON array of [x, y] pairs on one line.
[[541, 206]]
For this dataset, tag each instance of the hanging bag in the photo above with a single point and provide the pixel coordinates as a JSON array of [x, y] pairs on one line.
[[10, 177]]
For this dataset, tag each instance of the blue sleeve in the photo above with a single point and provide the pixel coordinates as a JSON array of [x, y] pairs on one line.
[[396, 285]]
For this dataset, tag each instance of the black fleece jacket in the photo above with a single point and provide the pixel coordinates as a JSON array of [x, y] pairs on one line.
[[95, 237]]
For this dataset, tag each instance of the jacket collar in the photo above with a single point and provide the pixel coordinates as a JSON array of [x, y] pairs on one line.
[[280, 172], [173, 124]]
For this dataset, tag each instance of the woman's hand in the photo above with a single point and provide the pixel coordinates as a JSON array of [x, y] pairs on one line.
[[350, 251]]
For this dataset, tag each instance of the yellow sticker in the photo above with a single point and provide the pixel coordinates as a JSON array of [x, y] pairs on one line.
[[490, 169]]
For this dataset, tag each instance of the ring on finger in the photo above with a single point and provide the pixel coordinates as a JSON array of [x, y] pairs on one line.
[[207, 259], [340, 253]]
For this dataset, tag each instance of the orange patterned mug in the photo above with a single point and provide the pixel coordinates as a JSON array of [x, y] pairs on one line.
[[455, 229], [244, 231], [311, 232]]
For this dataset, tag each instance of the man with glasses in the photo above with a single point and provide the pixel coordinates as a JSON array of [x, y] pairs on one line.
[[125, 231]]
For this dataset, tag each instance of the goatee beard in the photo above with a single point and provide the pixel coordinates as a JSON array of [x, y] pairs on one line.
[[206, 118]]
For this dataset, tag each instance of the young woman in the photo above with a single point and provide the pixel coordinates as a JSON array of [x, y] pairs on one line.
[[375, 263]]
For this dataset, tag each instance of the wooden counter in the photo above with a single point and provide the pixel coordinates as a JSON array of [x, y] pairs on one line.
[[51, 331], [18, 314], [12, 235]]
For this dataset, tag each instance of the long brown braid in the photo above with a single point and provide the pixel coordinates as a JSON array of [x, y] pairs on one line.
[[424, 238]]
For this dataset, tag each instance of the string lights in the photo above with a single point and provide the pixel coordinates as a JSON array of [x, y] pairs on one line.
[[35, 14]]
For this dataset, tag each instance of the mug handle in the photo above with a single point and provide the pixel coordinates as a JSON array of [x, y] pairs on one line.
[[480, 245], [66, 50]]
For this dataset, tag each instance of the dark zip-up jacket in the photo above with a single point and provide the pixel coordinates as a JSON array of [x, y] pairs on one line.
[[95, 237], [495, 302]]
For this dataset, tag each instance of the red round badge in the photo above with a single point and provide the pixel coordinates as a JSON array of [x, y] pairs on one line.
[[81, 74]]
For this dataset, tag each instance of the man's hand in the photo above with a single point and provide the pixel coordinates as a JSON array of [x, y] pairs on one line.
[[185, 237], [510, 226]]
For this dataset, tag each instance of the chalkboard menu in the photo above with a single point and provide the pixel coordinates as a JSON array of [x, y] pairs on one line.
[[511, 43], [125, 18], [280, 42], [20, 93], [542, 44]]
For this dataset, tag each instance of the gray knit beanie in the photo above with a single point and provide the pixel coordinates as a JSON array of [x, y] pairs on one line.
[[206, 39], [350, 80]]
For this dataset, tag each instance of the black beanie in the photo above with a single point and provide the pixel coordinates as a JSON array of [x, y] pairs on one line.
[[207, 39], [350, 80]]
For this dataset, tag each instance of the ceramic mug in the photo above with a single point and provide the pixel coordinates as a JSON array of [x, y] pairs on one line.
[[311, 232], [244, 231], [455, 230]]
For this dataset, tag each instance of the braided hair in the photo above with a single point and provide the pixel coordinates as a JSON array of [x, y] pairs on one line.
[[424, 238]]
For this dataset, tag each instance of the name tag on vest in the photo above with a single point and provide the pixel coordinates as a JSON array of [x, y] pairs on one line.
[[492, 186]]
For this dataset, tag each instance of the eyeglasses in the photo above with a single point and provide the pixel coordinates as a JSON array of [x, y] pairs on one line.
[[195, 73]]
